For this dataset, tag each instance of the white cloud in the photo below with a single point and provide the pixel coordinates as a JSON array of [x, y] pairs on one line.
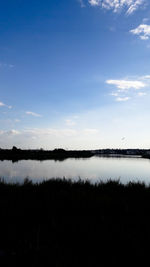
[[50, 138], [122, 99], [134, 6], [127, 88], [114, 94], [4, 105], [127, 84], [70, 122], [33, 114], [141, 94], [90, 131], [145, 20], [144, 37], [14, 132], [50, 132], [145, 77], [94, 2], [117, 5], [143, 31], [11, 132]]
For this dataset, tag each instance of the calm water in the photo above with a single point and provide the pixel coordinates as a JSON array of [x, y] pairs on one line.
[[94, 169]]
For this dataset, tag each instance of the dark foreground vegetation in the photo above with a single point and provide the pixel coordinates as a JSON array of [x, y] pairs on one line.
[[64, 223]]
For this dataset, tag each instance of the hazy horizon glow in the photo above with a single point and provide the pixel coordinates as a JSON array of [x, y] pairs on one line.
[[75, 74]]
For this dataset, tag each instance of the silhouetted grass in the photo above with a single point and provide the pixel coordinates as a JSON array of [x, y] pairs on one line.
[[65, 223]]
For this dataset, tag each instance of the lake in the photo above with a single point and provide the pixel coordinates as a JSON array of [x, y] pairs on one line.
[[94, 169]]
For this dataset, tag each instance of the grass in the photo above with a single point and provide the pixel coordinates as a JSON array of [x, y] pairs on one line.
[[63, 223]]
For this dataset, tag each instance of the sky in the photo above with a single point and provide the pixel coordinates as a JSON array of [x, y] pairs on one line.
[[75, 74]]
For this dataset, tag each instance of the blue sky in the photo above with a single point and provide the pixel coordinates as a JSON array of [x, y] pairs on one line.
[[75, 74]]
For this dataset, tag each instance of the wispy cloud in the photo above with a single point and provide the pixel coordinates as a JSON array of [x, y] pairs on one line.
[[53, 132], [133, 5], [122, 99], [13, 132], [17, 120], [142, 94], [70, 122], [50, 138], [33, 114], [6, 65], [145, 20], [50, 132], [117, 5], [81, 3], [145, 77], [10, 132], [114, 94], [95, 2], [90, 131], [143, 31], [127, 84], [127, 88], [4, 105]]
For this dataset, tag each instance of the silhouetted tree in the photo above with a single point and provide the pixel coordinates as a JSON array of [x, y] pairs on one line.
[[14, 148]]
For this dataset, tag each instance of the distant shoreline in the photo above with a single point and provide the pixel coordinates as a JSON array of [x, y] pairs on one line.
[[16, 154]]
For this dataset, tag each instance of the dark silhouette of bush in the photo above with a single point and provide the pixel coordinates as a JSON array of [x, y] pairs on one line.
[[14, 148]]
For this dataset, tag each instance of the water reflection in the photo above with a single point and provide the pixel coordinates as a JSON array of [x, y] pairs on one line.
[[95, 169]]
